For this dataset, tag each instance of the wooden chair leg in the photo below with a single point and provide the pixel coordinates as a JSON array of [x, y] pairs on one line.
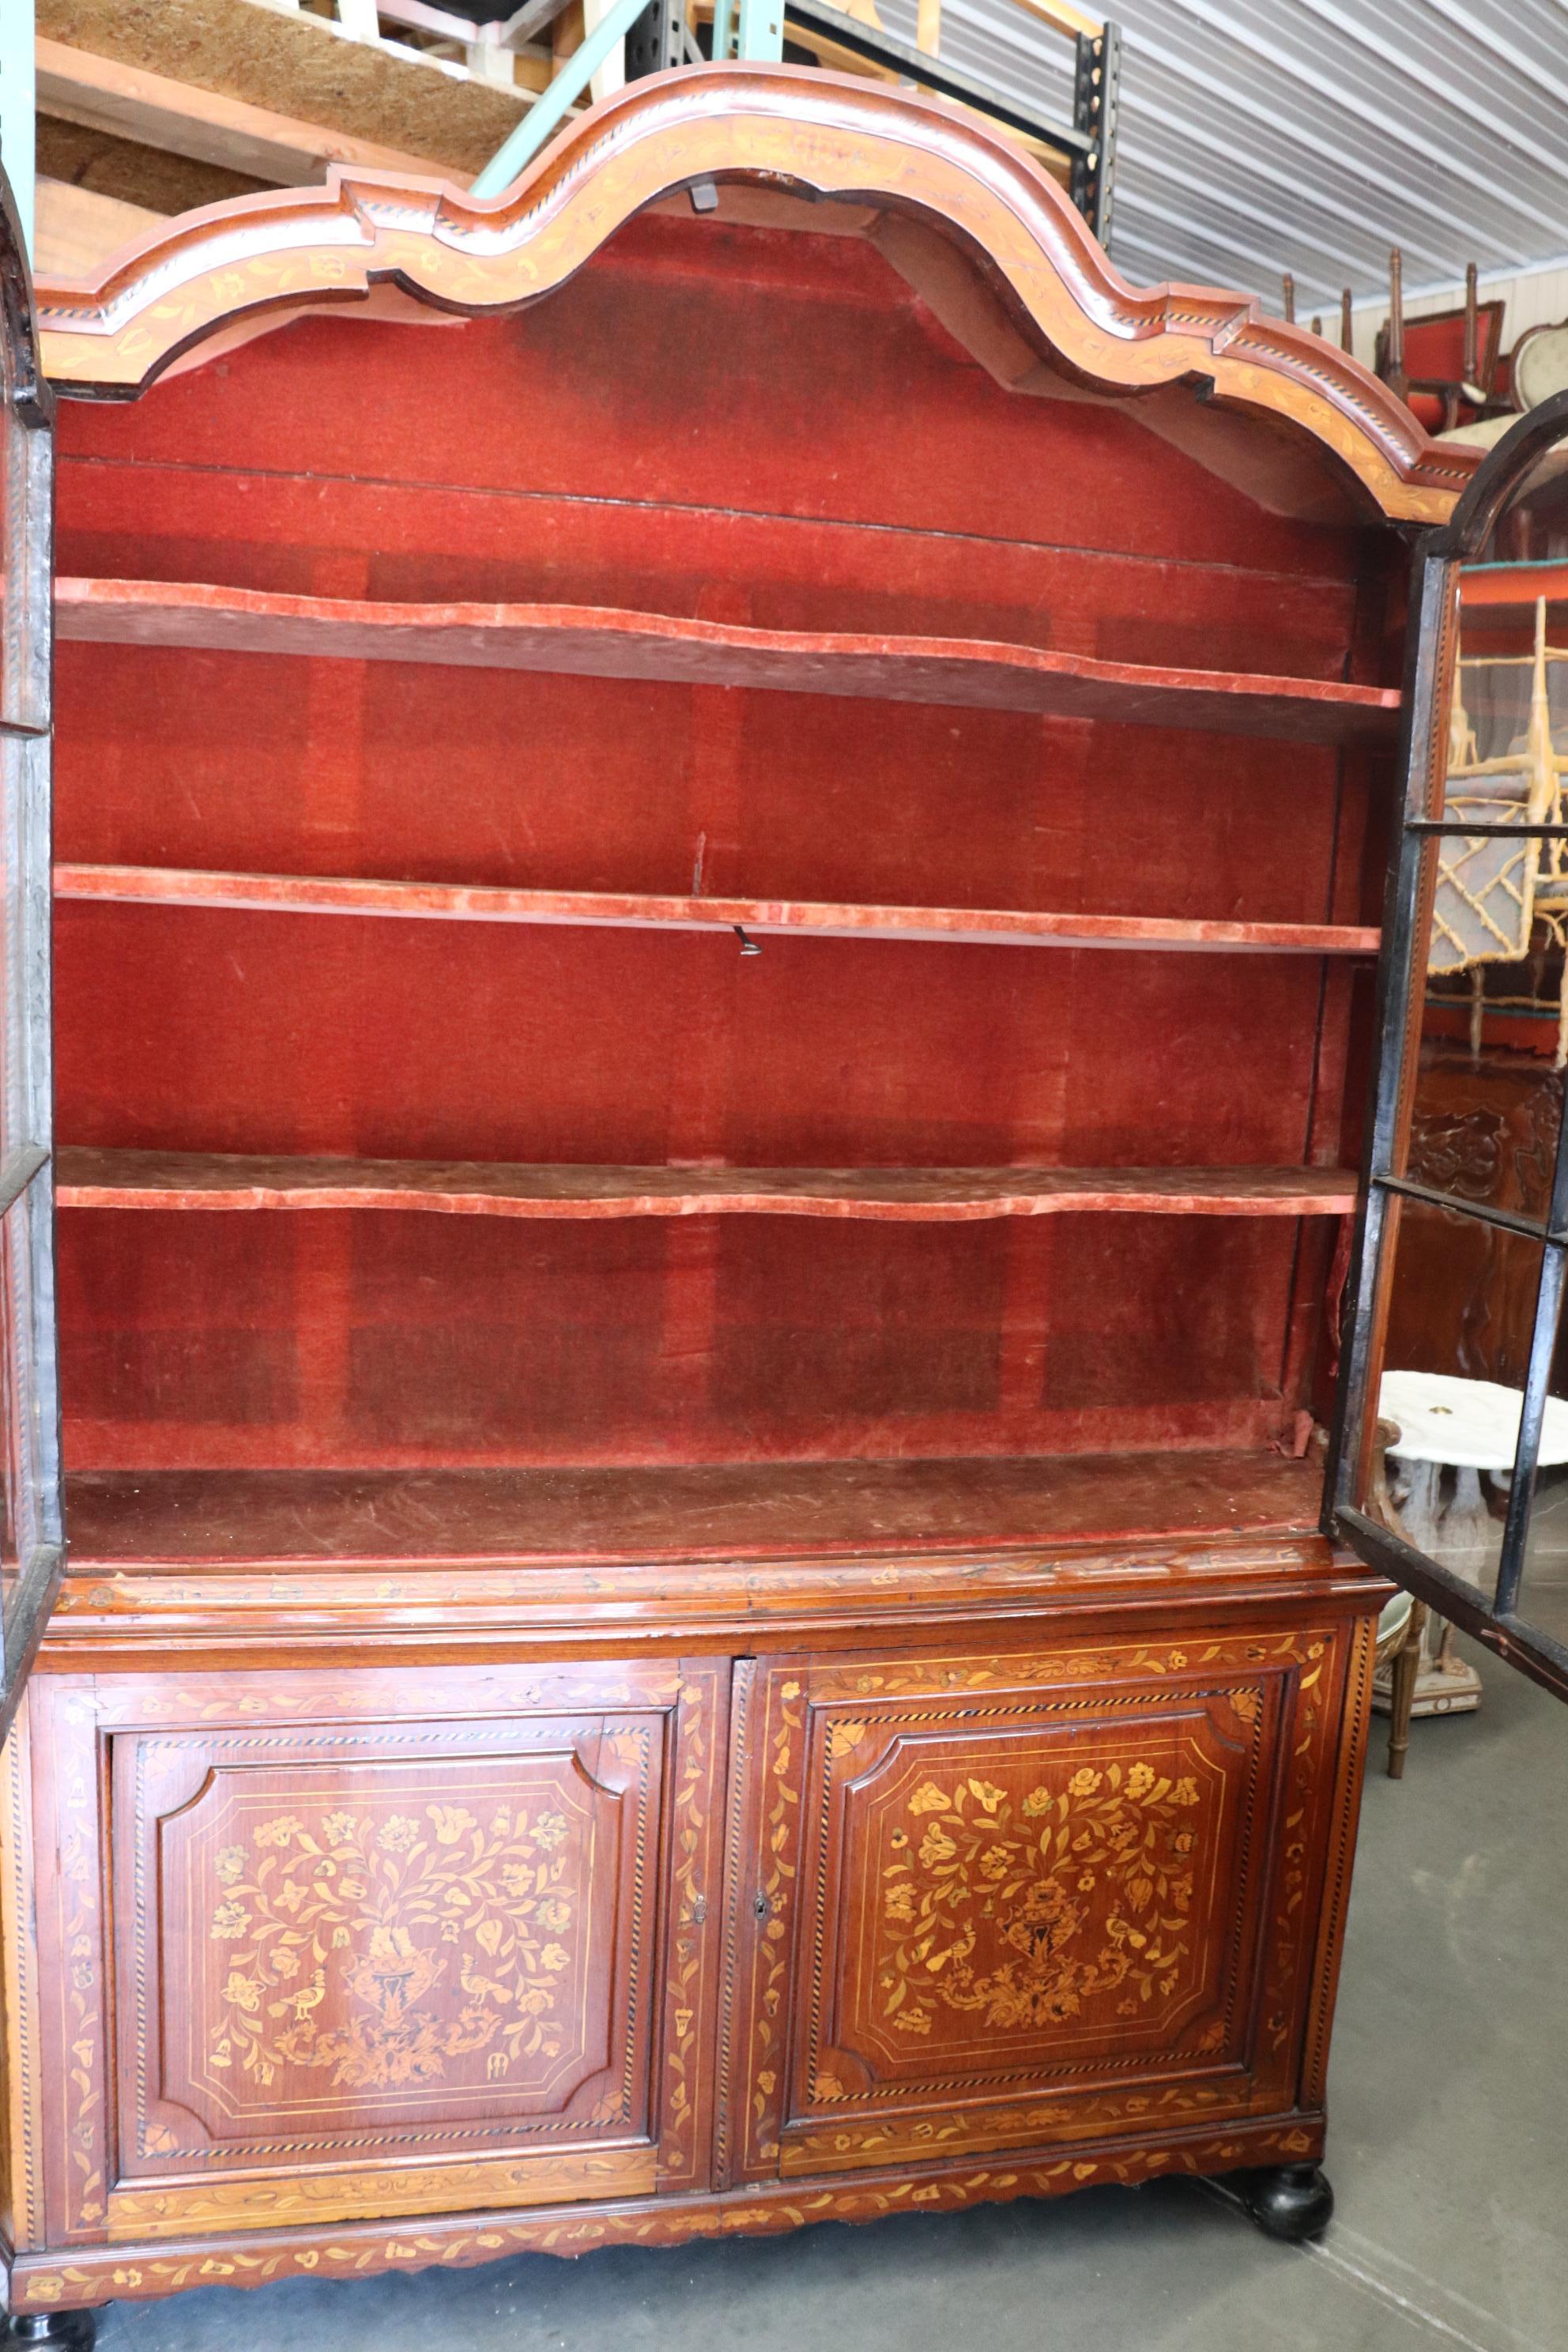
[[1406, 1666]]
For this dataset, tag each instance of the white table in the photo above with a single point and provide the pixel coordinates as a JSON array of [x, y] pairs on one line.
[[1471, 1428]]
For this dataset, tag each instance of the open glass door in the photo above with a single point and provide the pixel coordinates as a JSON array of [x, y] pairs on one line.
[[32, 1552], [1454, 1360]]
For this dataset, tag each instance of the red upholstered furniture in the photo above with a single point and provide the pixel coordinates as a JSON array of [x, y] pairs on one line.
[[1433, 369]]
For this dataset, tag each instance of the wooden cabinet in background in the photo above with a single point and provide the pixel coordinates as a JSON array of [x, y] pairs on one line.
[[1484, 1130]]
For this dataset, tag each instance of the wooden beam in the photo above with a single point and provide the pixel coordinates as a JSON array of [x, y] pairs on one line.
[[534, 18], [1062, 17], [421, 18], [1393, 363], [107, 95], [78, 229], [292, 62], [611, 76]]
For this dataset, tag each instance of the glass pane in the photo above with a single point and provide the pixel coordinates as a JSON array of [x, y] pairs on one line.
[[1499, 905], [1542, 1596], [30, 1437], [1488, 1097], [1487, 1104], [10, 1485], [29, 1432], [1474, 1105], [13, 528], [1461, 1314], [24, 544], [24, 943]]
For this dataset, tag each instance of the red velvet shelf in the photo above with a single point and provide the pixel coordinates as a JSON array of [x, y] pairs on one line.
[[94, 1179], [454, 902], [595, 642], [678, 1512]]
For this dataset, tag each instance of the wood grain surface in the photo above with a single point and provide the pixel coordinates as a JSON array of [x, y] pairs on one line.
[[623, 910], [681, 1511], [90, 1179], [585, 641]]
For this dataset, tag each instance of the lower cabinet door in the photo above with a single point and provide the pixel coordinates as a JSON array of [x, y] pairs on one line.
[[378, 1943], [982, 1903]]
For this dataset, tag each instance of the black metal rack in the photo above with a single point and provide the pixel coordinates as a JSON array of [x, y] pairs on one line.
[[662, 38]]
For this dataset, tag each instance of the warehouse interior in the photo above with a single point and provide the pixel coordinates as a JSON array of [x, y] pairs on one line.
[[783, 1175]]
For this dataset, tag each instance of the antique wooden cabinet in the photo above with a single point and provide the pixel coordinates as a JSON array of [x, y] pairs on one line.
[[717, 847]]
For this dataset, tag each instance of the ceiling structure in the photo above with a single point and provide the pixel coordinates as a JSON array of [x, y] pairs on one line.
[[1260, 136], [1255, 137]]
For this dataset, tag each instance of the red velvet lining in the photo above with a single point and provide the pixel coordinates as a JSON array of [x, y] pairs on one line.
[[743, 426], [383, 1339], [335, 767]]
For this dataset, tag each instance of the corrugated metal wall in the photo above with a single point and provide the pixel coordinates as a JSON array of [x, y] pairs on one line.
[[1259, 136]]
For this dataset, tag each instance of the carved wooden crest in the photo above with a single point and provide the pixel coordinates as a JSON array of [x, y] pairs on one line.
[[930, 178]]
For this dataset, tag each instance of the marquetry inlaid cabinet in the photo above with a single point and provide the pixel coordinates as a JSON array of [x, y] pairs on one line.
[[717, 856]]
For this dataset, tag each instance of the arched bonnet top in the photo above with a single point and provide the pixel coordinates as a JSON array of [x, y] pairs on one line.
[[939, 185]]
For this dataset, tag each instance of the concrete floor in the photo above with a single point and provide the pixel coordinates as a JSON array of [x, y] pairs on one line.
[[1449, 2152]]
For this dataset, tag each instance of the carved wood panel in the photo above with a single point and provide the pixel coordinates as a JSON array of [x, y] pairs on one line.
[[451, 1954], [1465, 1297], [991, 1907]]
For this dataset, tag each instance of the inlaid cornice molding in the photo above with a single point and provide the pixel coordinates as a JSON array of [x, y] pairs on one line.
[[784, 128]]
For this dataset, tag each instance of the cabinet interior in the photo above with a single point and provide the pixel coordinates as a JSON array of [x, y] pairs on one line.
[[710, 1096]]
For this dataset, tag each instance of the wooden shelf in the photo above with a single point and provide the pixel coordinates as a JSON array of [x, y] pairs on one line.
[[778, 1509], [596, 641], [455, 902], [92, 1179]]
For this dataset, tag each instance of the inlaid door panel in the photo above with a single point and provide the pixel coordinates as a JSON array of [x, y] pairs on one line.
[[349, 1946], [994, 1907], [419, 1961]]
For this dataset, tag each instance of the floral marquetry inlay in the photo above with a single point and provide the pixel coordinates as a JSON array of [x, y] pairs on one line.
[[393, 1950], [1025, 1913], [386, 1913], [1022, 1897]]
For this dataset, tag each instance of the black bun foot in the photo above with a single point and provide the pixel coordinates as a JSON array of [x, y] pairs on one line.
[[1292, 2201], [64, 2331]]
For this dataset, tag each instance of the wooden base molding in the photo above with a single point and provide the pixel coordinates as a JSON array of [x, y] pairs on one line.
[[135, 2272]]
